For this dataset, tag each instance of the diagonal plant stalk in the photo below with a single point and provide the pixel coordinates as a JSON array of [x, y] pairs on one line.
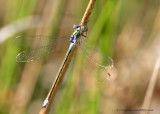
[[66, 62], [149, 93]]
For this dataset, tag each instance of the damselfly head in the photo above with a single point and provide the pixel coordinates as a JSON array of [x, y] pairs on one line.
[[84, 28]]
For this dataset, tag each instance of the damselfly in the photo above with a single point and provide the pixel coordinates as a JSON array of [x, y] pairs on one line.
[[48, 45]]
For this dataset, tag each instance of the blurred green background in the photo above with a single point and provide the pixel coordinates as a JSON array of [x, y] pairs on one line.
[[126, 30]]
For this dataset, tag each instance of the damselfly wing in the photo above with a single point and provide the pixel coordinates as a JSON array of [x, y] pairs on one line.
[[46, 45]]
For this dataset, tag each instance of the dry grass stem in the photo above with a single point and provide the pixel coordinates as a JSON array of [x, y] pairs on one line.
[[150, 89]]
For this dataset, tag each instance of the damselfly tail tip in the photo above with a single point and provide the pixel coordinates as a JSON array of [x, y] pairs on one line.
[[43, 107], [45, 104]]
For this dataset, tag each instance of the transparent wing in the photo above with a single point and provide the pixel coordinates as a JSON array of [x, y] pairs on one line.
[[42, 40], [46, 46], [95, 60], [30, 55], [96, 56]]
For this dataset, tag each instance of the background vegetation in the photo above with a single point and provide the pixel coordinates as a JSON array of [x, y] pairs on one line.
[[126, 30]]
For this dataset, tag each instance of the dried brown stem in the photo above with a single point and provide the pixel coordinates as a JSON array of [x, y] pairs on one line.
[[150, 89], [88, 12], [65, 67]]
